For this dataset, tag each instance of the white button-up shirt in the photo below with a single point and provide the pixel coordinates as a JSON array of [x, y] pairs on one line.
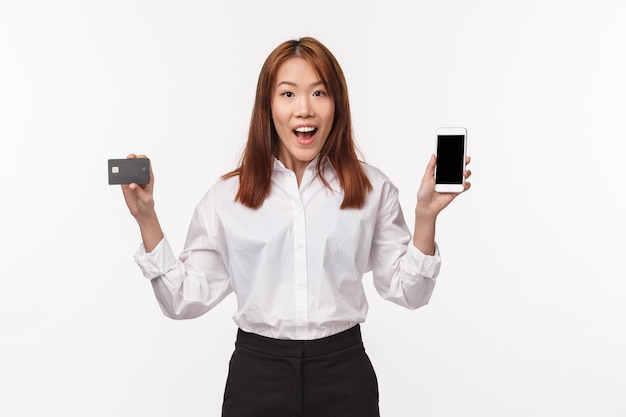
[[296, 264]]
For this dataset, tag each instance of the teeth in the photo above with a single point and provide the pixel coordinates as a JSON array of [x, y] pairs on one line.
[[305, 129]]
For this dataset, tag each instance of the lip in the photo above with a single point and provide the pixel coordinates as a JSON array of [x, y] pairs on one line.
[[308, 141], [304, 125]]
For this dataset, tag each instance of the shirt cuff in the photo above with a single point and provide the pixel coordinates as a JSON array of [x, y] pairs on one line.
[[423, 265], [157, 262]]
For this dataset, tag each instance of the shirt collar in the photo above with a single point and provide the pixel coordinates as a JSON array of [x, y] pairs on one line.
[[327, 168], [312, 166]]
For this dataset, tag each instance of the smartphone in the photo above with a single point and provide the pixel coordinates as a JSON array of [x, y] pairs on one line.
[[128, 171], [451, 151]]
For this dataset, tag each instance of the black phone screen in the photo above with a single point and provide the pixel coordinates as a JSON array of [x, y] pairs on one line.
[[450, 150]]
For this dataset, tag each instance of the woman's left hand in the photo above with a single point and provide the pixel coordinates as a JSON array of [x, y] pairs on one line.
[[430, 202]]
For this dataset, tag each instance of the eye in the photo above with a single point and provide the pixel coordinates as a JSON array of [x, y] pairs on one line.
[[287, 94], [319, 93]]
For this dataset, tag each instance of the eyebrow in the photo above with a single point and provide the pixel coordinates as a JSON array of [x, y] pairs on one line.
[[315, 84]]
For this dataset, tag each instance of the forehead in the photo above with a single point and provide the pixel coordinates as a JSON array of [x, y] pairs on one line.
[[296, 70]]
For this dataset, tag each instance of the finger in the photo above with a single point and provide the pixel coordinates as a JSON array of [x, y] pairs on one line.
[[129, 190], [430, 168], [132, 188], [467, 173], [142, 192], [131, 156], [467, 185], [468, 159], [129, 194]]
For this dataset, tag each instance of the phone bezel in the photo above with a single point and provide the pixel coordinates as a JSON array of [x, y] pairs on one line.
[[452, 131]]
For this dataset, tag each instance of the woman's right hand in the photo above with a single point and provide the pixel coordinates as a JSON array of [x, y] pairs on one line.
[[139, 198], [140, 202]]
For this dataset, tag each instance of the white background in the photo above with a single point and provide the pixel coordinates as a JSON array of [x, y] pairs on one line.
[[528, 316]]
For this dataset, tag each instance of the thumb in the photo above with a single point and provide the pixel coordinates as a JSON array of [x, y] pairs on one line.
[[430, 168], [140, 192], [134, 191]]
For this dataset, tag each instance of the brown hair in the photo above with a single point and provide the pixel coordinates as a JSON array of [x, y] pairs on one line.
[[255, 168]]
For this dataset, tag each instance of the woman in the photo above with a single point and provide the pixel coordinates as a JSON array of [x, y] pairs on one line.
[[291, 232]]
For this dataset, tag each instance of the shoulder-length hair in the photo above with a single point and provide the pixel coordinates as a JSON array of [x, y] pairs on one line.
[[256, 165]]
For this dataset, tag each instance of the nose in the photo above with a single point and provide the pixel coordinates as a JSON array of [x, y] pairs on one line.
[[304, 107]]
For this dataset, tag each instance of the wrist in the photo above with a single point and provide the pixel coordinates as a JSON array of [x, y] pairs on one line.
[[148, 221], [151, 232], [424, 215]]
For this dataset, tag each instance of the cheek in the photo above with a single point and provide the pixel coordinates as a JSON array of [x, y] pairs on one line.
[[277, 113], [331, 121], [278, 118], [331, 115]]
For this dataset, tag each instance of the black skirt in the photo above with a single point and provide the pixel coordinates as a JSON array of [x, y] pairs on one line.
[[328, 377]]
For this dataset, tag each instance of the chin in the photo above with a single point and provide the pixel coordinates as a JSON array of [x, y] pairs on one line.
[[307, 156]]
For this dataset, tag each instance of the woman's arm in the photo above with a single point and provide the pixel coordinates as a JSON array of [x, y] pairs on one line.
[[429, 204], [140, 202], [194, 283]]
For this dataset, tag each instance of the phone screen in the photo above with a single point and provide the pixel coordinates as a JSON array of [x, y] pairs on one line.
[[450, 150]]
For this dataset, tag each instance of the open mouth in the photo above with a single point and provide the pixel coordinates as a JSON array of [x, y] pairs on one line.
[[304, 135]]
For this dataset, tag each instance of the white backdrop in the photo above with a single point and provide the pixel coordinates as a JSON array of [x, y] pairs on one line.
[[528, 317]]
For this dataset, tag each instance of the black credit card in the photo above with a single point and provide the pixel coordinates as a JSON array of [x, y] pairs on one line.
[[128, 171]]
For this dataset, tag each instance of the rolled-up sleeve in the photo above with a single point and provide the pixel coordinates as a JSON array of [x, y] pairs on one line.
[[157, 262], [402, 273], [195, 282]]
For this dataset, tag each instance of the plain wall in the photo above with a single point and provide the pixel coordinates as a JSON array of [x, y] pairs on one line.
[[528, 315]]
